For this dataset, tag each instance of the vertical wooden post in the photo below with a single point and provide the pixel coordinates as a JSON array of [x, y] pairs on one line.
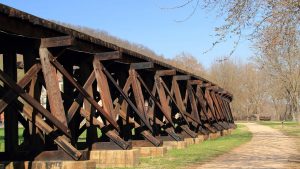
[[223, 108], [104, 88], [52, 85], [191, 96], [162, 97], [138, 95], [10, 114], [178, 96]]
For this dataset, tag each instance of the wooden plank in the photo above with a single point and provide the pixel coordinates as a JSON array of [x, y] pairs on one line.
[[56, 42], [178, 96], [138, 94], [103, 87], [115, 55], [165, 73], [188, 131], [142, 65], [205, 85], [52, 87], [35, 104], [193, 103], [195, 82], [182, 77]]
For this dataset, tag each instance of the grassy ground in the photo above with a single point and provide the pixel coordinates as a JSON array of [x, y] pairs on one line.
[[291, 129], [198, 153], [20, 133]]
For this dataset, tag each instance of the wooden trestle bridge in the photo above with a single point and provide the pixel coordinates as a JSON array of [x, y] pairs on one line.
[[132, 99]]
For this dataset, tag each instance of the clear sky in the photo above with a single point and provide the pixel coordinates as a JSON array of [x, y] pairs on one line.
[[143, 22]]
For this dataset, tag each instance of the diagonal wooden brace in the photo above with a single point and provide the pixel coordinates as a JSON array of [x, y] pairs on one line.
[[127, 99], [35, 104], [83, 92], [10, 95]]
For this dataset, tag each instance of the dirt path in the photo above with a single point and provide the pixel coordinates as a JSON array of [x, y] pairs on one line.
[[268, 148]]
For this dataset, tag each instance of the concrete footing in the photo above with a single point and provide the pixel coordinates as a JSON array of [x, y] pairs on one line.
[[175, 144], [115, 158], [213, 136], [189, 141], [199, 139], [224, 132], [151, 151], [48, 165]]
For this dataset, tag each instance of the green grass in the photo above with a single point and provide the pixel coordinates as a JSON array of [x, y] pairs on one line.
[[287, 128], [199, 153], [291, 129], [20, 133], [81, 138]]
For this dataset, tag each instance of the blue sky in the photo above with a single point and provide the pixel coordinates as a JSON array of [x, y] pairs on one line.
[[143, 22]]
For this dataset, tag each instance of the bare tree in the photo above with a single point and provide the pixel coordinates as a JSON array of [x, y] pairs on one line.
[[188, 62], [245, 82], [249, 17], [280, 58]]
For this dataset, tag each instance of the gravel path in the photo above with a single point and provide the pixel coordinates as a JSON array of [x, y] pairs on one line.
[[268, 149]]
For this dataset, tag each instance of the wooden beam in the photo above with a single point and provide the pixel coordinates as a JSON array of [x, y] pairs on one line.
[[142, 65], [182, 77], [56, 42], [103, 87], [52, 86], [165, 72], [205, 85], [196, 82], [138, 93], [115, 55]]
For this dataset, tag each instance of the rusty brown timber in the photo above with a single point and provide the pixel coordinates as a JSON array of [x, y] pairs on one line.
[[133, 99]]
